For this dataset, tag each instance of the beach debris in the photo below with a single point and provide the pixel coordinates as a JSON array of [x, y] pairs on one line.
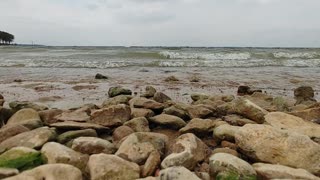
[[100, 76]]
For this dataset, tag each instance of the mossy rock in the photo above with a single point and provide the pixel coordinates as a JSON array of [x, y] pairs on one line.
[[21, 158], [231, 175]]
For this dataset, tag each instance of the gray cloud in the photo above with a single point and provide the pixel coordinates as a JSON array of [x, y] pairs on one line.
[[164, 22]]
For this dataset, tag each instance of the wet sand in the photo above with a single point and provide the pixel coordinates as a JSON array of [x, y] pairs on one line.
[[72, 87]]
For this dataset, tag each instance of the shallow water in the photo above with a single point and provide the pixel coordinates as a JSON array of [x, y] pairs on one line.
[[51, 80]]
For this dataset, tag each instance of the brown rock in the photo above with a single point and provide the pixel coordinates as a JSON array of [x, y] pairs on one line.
[[200, 127], [248, 109], [121, 99], [151, 164], [176, 110], [140, 124], [114, 115], [150, 91], [48, 116], [121, 132], [72, 125], [145, 103], [312, 114], [79, 115], [225, 150], [93, 145], [168, 121], [227, 144], [199, 111], [23, 116], [237, 120], [9, 131], [304, 95], [161, 97], [140, 112]]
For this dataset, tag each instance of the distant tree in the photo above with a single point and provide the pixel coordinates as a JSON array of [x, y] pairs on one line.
[[6, 38]]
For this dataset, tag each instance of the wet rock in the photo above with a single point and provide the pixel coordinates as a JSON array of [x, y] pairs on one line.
[[140, 112], [171, 79], [71, 125], [248, 109], [121, 99], [145, 103], [25, 116], [114, 115], [150, 91], [176, 110], [292, 123], [70, 135], [1, 100], [7, 172], [227, 166], [151, 165], [21, 158], [117, 168], [168, 121], [53, 153], [48, 116], [200, 127], [246, 90], [265, 143], [138, 146], [199, 111], [237, 120], [161, 97], [304, 95], [32, 139], [93, 145], [121, 132], [225, 132], [100, 76], [187, 151], [116, 91], [50, 171], [276, 171], [18, 105], [177, 173], [140, 124], [79, 115], [9, 131]]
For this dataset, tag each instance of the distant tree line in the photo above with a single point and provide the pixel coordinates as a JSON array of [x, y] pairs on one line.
[[6, 38]]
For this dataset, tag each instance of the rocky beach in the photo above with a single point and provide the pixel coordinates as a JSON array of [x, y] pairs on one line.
[[241, 134]]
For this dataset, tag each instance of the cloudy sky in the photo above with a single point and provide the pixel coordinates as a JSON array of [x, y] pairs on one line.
[[163, 22]]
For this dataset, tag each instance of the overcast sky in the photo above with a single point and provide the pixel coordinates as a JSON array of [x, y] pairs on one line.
[[163, 22]]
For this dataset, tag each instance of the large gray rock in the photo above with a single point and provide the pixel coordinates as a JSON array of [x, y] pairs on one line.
[[276, 171], [114, 115], [140, 124], [32, 139], [56, 153], [265, 143], [24, 115], [198, 127], [292, 123], [103, 166], [50, 172], [168, 121], [70, 135], [138, 146], [177, 173], [145, 103], [93, 145], [187, 151], [223, 165], [248, 109]]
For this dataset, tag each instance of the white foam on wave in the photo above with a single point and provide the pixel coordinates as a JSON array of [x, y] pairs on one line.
[[204, 56], [304, 55]]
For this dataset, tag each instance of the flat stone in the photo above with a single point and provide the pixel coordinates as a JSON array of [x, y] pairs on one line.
[[70, 125], [145, 103], [79, 115], [70, 135], [50, 172], [198, 126], [117, 168], [57, 153], [168, 121], [18, 105], [93, 145], [248, 109], [114, 115], [9, 131], [140, 124], [199, 111], [121, 99], [116, 91], [32, 139]]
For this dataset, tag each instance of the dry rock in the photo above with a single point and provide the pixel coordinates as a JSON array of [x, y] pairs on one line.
[[140, 124], [168, 121], [93, 145], [114, 115]]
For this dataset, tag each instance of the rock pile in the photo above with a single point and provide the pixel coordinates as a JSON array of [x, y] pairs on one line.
[[255, 136]]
